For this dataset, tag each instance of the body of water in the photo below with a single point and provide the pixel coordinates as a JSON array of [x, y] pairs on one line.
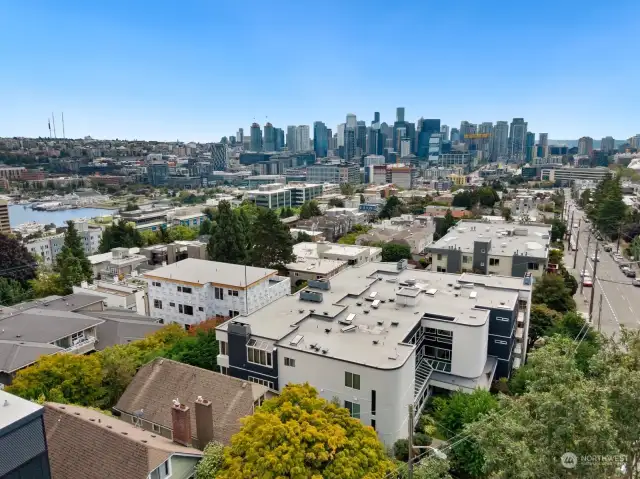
[[19, 214]]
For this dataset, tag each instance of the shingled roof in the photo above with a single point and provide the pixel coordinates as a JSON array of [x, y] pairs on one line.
[[87, 444], [160, 381]]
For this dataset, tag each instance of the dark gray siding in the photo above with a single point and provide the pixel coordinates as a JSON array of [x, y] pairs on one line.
[[520, 264], [239, 367], [454, 261], [480, 259], [23, 449]]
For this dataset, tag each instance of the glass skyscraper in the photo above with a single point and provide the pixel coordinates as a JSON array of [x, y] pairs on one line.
[[320, 139]]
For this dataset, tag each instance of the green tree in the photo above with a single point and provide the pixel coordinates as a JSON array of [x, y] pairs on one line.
[[299, 434], [610, 208], [120, 235], [585, 198], [303, 237], [430, 467], [12, 292], [16, 262], [272, 242], [47, 283], [200, 350], [211, 462], [118, 368], [182, 233], [286, 212], [443, 225], [73, 378], [558, 230], [72, 262], [463, 199], [363, 200], [634, 248], [552, 291], [395, 252], [205, 227], [569, 280], [309, 209], [393, 207], [506, 214], [347, 189], [228, 241], [336, 203], [131, 206], [541, 321]]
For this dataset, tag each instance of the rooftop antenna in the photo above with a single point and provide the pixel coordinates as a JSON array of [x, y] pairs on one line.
[[54, 125], [63, 135], [49, 122]]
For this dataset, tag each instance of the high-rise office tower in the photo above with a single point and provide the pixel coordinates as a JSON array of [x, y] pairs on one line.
[[330, 143], [269, 143], [485, 145], [291, 138], [302, 138], [466, 129], [400, 134], [349, 143], [361, 137], [219, 156], [405, 147], [585, 145], [341, 128], [455, 135], [427, 128], [256, 138], [320, 139], [444, 129], [351, 121], [607, 145], [530, 144], [400, 114], [517, 139], [279, 138], [240, 136], [543, 145], [500, 140], [376, 117]]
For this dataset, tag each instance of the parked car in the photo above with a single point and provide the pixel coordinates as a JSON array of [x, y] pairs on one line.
[[608, 249], [635, 282], [587, 281], [584, 273], [629, 273], [593, 258]]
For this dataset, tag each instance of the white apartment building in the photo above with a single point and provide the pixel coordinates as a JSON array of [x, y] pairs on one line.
[[493, 248], [193, 290], [48, 247], [353, 255], [116, 295], [379, 337]]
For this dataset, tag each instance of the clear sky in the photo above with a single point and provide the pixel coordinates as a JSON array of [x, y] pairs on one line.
[[198, 70]]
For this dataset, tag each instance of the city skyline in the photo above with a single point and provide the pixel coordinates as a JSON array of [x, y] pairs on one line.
[[142, 74]]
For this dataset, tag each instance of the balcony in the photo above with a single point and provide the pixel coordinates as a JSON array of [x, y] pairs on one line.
[[82, 347]]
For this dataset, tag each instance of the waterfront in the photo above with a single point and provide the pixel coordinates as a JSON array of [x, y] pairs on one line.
[[19, 214]]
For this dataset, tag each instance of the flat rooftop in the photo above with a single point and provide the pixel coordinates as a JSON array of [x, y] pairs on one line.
[[507, 239], [15, 408], [321, 323], [201, 271], [316, 250], [316, 266]]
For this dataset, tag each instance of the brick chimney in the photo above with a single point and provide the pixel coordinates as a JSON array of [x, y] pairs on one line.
[[181, 423], [204, 422]]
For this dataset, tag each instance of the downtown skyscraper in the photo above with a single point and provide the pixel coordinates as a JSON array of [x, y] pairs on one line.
[[291, 138], [517, 139], [320, 139], [256, 138], [500, 140], [269, 143], [302, 138]]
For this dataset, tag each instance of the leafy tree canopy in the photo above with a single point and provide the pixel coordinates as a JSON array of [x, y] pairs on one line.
[[309, 209], [272, 243], [120, 235], [228, 241], [16, 262], [395, 252], [552, 291]]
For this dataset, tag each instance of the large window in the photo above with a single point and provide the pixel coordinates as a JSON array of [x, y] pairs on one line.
[[218, 293], [156, 283], [224, 348], [437, 353], [354, 409], [184, 289], [257, 353], [185, 309], [290, 362], [439, 335], [352, 380], [264, 382], [494, 262], [466, 259], [533, 266], [157, 304], [232, 292]]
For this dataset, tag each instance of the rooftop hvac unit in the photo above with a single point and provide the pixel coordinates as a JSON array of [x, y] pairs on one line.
[[313, 296], [348, 320], [296, 340], [348, 329], [323, 284]]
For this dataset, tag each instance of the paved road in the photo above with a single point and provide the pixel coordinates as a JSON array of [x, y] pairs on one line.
[[621, 300]]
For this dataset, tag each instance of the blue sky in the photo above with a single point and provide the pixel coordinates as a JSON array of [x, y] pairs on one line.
[[198, 70]]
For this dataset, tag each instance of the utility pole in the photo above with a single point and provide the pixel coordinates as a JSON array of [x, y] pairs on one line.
[[599, 312], [593, 287], [410, 462], [584, 266], [570, 228], [575, 255], [619, 234]]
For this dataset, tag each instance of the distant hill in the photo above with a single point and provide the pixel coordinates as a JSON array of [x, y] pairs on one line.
[[572, 143]]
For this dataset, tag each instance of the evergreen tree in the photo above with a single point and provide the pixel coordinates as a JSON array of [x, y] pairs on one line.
[[228, 241], [72, 262], [309, 209], [272, 242], [120, 235], [206, 226], [15, 261]]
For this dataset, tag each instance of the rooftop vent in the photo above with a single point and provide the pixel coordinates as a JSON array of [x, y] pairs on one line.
[[394, 323], [320, 284], [366, 311], [359, 303], [372, 296], [375, 341], [391, 300], [380, 322], [468, 285], [301, 311], [392, 280], [375, 304], [348, 320], [348, 329], [327, 330], [457, 286], [432, 291], [296, 340], [325, 350], [473, 294], [411, 281], [326, 313]]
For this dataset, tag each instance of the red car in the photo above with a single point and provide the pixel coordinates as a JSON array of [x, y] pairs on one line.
[[587, 281]]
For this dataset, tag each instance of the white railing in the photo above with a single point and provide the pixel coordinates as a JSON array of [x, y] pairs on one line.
[[81, 346]]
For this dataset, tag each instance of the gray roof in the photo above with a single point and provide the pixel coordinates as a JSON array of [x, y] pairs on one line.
[[287, 317], [15, 409], [121, 327], [70, 302], [27, 335], [507, 239], [202, 271]]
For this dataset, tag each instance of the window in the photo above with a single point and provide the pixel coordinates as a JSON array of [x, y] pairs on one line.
[[373, 424], [257, 352], [155, 428], [533, 266], [157, 304], [466, 259], [200, 308], [352, 380], [354, 409], [233, 313], [224, 348], [232, 292], [439, 257], [441, 269], [494, 262], [184, 289], [172, 305], [185, 309], [482, 263], [264, 382], [502, 319], [156, 283], [522, 304], [373, 402], [290, 362], [500, 341], [218, 293], [437, 353]]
